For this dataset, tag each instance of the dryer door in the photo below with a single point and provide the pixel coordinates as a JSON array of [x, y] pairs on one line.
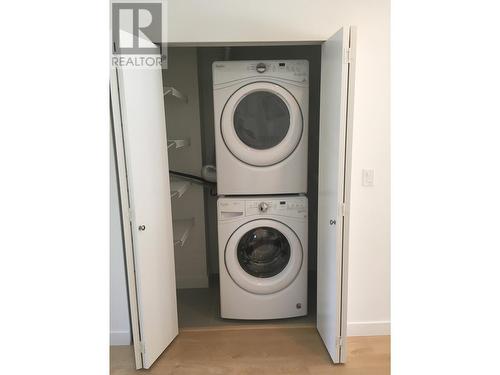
[[261, 124], [263, 256]]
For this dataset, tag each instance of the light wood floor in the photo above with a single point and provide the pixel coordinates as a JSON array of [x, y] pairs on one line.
[[259, 351]]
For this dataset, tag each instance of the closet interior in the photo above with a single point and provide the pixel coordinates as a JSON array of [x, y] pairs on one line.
[[188, 99]]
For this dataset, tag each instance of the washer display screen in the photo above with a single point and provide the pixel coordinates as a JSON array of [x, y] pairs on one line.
[[261, 120], [263, 252]]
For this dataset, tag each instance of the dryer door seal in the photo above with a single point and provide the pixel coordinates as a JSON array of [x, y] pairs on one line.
[[263, 256], [261, 124]]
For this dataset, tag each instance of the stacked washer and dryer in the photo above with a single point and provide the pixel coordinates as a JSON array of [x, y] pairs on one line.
[[261, 116]]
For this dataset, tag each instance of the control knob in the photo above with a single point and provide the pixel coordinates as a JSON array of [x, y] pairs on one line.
[[261, 67], [263, 206]]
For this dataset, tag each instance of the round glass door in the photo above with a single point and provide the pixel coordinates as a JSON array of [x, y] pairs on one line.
[[263, 252], [261, 120], [263, 256], [261, 124]]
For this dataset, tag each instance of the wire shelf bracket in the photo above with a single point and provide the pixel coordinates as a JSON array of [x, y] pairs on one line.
[[178, 143], [182, 228], [176, 93], [178, 187]]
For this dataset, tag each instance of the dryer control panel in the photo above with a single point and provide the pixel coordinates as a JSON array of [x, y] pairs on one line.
[[290, 70]]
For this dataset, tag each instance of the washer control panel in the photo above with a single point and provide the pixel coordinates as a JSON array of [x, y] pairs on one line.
[[233, 208], [295, 207]]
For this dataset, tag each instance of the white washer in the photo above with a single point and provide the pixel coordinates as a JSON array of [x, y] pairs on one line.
[[263, 257], [261, 117]]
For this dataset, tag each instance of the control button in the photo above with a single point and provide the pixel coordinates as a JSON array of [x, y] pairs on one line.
[[261, 67], [263, 206]]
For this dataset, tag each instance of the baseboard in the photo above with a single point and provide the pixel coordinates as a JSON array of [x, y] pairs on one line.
[[377, 328], [119, 338]]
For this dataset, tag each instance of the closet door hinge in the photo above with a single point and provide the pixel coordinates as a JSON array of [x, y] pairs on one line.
[[343, 209], [347, 55], [340, 342], [143, 347], [131, 215]]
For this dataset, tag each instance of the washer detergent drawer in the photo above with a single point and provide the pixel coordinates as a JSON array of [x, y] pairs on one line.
[[229, 214], [230, 209]]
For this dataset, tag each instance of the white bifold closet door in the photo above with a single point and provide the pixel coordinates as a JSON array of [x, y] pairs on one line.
[[142, 158], [333, 181], [143, 172]]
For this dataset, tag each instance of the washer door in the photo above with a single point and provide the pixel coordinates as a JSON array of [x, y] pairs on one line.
[[261, 124], [263, 256]]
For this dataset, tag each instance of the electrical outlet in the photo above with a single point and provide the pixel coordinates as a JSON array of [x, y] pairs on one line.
[[367, 179]]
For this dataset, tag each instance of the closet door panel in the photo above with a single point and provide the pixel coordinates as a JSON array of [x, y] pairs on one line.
[[332, 193], [147, 214]]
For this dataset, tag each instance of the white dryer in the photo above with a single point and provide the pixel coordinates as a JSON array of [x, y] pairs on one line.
[[263, 257], [261, 117]]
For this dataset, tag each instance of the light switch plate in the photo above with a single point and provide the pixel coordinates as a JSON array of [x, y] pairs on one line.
[[367, 179]]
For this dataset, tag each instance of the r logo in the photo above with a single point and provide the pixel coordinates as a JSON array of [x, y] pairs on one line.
[[136, 27]]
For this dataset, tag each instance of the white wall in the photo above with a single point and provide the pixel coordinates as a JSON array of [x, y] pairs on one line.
[[119, 319], [191, 21]]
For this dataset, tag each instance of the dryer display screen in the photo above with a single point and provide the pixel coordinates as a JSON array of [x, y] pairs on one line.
[[261, 120], [263, 252]]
